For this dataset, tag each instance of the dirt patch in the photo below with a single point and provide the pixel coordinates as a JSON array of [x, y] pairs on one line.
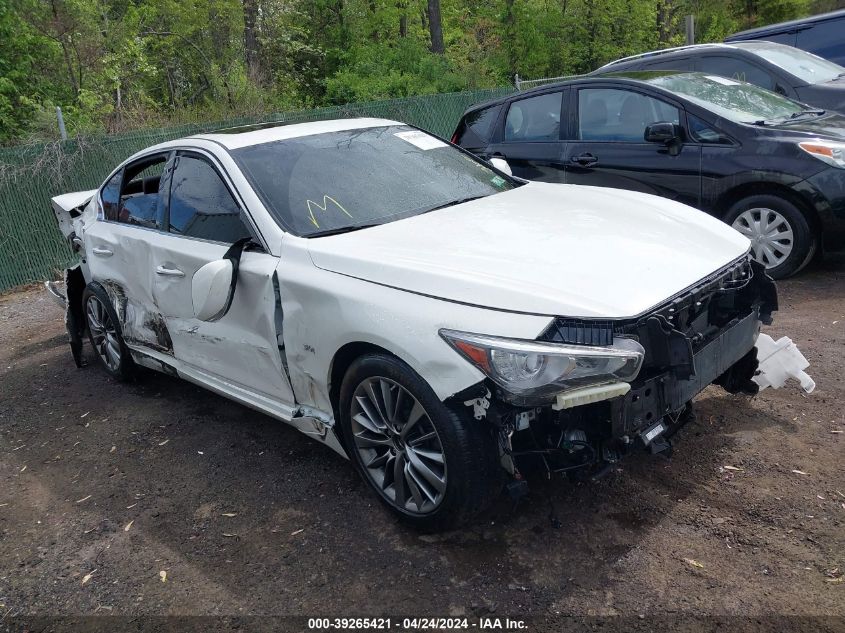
[[103, 486]]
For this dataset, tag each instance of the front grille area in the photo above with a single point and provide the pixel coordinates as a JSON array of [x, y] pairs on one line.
[[690, 312], [675, 331]]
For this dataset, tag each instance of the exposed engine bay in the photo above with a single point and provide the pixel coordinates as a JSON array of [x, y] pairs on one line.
[[705, 335]]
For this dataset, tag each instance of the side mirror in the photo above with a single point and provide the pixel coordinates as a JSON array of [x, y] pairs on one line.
[[662, 132], [501, 164], [212, 289]]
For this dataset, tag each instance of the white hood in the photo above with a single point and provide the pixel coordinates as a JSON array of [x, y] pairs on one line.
[[541, 248]]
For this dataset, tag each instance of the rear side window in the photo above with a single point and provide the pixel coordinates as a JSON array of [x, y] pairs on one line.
[[140, 202], [476, 128], [737, 69], [201, 205], [534, 119]]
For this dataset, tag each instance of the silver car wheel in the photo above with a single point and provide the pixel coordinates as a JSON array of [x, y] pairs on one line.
[[398, 445], [770, 234], [103, 333]]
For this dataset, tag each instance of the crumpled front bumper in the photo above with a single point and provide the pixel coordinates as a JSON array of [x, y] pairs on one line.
[[729, 359]]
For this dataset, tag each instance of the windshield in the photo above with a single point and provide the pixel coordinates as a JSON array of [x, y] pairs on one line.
[[730, 99], [326, 183], [806, 66]]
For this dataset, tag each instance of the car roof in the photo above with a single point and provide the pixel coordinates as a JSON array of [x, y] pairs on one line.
[[786, 26], [245, 136], [677, 50], [576, 80]]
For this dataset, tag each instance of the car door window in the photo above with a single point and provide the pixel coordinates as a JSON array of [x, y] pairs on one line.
[[612, 114], [477, 127], [824, 39], [668, 64], [737, 69], [201, 205], [702, 132], [534, 119], [140, 202]]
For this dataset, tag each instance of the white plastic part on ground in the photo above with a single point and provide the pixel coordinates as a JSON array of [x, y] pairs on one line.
[[780, 360]]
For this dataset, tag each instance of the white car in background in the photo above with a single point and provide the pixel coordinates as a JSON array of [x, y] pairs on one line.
[[439, 322]]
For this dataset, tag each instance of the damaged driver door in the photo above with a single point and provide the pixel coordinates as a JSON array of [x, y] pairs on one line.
[[238, 353]]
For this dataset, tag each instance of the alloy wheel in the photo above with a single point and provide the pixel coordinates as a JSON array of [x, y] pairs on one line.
[[770, 233], [103, 333], [398, 445]]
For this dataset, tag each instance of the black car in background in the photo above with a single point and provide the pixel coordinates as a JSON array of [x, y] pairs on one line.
[[770, 167], [783, 69], [823, 35]]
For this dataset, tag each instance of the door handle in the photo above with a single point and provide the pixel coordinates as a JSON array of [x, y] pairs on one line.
[[104, 252], [585, 160], [169, 272]]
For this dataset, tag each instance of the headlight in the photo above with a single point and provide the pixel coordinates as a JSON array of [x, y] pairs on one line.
[[827, 151], [533, 372]]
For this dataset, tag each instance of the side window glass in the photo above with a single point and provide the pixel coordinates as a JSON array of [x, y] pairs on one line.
[[610, 114], [824, 39], [477, 127], [534, 119], [668, 64], [737, 69], [139, 198], [702, 132], [110, 195], [201, 205]]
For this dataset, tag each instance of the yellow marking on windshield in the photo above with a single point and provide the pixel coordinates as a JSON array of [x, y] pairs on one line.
[[322, 207]]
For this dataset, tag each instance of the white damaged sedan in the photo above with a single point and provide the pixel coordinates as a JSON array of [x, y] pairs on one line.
[[444, 325]]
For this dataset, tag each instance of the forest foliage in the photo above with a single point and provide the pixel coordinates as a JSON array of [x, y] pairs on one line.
[[114, 65]]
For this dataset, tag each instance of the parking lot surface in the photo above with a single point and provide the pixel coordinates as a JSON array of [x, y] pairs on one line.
[[160, 498]]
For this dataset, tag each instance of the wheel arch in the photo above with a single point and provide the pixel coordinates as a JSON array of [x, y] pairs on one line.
[[342, 361], [746, 190]]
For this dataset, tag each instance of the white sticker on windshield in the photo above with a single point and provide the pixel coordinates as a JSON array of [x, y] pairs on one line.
[[723, 80], [420, 139]]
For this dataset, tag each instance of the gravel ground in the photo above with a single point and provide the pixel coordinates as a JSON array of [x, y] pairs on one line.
[[107, 487]]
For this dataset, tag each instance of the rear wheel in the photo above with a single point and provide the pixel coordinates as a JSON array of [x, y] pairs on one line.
[[433, 467], [105, 334], [781, 237]]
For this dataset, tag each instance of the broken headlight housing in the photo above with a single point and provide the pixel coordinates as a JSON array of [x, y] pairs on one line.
[[534, 372]]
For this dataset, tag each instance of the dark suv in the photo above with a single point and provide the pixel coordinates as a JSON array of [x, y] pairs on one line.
[[783, 69], [770, 167], [819, 34]]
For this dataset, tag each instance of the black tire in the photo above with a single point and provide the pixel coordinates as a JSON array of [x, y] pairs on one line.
[[473, 476], [117, 360], [803, 243]]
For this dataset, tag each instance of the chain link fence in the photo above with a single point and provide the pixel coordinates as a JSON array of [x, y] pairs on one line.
[[31, 247]]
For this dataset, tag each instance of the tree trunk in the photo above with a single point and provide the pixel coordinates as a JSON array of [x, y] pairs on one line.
[[510, 34], [435, 28], [664, 18], [251, 45], [402, 7]]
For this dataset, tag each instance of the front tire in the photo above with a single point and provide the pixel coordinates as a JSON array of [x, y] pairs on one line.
[[434, 467], [105, 333], [781, 237]]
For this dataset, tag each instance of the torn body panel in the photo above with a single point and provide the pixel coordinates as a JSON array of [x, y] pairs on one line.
[[705, 335], [325, 311]]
